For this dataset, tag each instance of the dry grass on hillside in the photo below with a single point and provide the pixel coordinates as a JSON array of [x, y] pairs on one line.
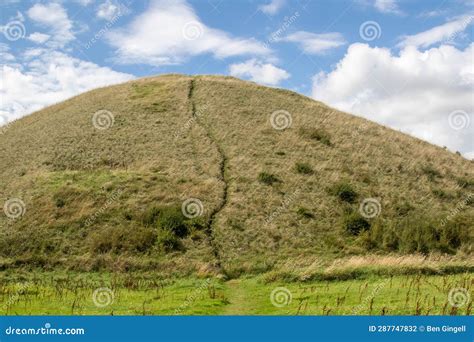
[[292, 194]]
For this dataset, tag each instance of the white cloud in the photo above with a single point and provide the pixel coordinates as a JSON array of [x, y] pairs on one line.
[[469, 155], [414, 91], [48, 78], [169, 32], [387, 6], [38, 77], [38, 37], [108, 10], [5, 55], [315, 44], [259, 72], [382, 6], [55, 17], [442, 33], [273, 7]]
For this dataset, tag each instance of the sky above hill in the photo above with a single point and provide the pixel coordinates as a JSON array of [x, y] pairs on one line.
[[405, 64]]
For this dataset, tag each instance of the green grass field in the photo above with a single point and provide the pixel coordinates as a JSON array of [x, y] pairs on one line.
[[146, 294]]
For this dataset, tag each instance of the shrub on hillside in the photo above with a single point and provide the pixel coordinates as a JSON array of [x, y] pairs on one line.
[[304, 168], [344, 191], [171, 226], [420, 234], [355, 224], [170, 218], [316, 134], [268, 178]]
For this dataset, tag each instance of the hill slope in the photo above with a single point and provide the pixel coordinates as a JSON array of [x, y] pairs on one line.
[[271, 180]]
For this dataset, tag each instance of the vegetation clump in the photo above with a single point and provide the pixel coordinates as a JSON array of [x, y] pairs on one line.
[[344, 191], [355, 224], [316, 134], [304, 168], [268, 178], [431, 172]]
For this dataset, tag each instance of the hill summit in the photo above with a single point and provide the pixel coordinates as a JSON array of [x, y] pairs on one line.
[[189, 174]]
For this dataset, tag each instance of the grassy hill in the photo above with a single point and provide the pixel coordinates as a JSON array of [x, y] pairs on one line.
[[272, 182]]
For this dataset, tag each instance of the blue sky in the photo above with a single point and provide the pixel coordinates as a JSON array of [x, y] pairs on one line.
[[403, 63]]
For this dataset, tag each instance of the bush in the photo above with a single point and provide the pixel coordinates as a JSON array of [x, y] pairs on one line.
[[171, 226], [268, 178], [304, 168], [344, 192], [170, 218], [355, 224], [418, 236], [60, 202], [422, 234], [316, 134]]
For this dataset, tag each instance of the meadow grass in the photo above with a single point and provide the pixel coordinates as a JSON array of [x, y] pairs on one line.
[[146, 294]]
